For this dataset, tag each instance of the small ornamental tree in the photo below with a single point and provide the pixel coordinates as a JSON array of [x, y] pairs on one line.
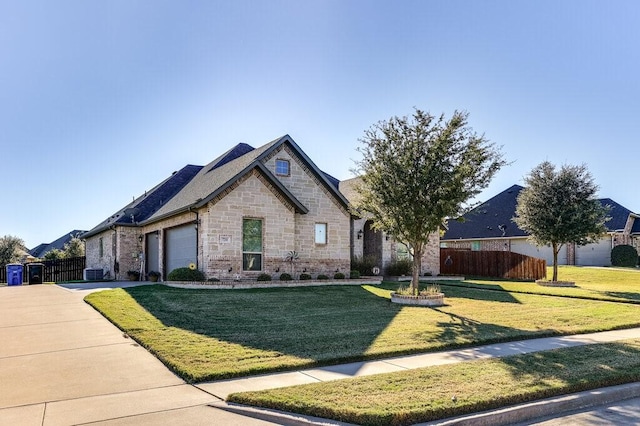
[[560, 207], [418, 171]]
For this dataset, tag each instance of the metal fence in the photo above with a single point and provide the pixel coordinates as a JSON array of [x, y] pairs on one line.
[[60, 270]]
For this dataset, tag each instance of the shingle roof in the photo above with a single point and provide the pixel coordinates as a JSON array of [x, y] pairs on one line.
[[146, 205], [41, 249], [492, 219], [194, 186]]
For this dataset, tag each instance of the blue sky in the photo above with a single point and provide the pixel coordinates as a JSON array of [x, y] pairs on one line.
[[101, 100]]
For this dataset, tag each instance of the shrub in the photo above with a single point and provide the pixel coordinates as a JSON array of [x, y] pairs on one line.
[[399, 267], [624, 255], [186, 274], [213, 280], [133, 275], [264, 277], [322, 277], [305, 277], [338, 276], [354, 275], [364, 265], [285, 277]]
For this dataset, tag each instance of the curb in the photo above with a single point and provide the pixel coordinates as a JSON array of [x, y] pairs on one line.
[[545, 408], [276, 416]]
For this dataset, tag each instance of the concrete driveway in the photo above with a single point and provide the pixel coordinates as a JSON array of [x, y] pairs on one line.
[[62, 363]]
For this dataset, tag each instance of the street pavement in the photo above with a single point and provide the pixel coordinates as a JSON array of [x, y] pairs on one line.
[[62, 363]]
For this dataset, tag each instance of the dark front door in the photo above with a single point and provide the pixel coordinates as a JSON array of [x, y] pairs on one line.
[[372, 243]]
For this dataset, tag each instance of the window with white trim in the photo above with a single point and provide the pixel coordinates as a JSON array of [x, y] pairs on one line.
[[321, 233]]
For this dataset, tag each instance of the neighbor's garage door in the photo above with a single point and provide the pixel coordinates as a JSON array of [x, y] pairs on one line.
[[180, 247], [544, 252], [597, 254]]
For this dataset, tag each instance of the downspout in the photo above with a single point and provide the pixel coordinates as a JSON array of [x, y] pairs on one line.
[[197, 237]]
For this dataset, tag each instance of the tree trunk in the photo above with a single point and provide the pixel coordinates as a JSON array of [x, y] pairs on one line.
[[417, 266], [555, 249]]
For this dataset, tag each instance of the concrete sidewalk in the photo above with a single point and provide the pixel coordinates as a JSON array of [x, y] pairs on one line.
[[223, 388]]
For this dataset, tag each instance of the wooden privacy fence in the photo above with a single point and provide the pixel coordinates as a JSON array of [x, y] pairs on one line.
[[53, 270], [497, 264]]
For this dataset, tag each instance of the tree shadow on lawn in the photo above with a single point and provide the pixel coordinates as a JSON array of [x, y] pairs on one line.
[[475, 293], [577, 368], [315, 323]]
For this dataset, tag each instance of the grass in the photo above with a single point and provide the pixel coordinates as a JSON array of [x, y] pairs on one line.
[[213, 334], [619, 285], [427, 394]]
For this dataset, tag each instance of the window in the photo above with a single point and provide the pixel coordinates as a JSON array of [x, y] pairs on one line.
[[402, 252], [101, 247], [251, 244], [282, 167], [476, 246], [321, 233]]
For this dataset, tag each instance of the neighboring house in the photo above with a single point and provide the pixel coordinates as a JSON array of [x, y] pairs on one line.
[[490, 227], [368, 242], [40, 250], [237, 217]]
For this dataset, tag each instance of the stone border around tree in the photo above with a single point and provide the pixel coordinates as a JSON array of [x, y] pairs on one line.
[[431, 300]]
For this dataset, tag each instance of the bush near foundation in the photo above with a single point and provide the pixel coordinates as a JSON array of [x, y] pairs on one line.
[[624, 255]]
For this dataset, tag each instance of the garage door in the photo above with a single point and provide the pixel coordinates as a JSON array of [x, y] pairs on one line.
[[597, 254], [543, 252], [180, 247]]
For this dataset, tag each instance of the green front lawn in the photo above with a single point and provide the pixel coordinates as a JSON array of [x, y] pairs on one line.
[[212, 334], [621, 285], [439, 392]]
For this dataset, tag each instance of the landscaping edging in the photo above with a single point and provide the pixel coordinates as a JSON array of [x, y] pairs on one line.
[[426, 278], [228, 285], [546, 283], [429, 300]]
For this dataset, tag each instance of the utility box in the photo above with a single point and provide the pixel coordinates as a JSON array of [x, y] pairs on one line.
[[35, 273], [14, 274]]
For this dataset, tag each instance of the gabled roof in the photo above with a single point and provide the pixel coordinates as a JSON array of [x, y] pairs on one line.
[[492, 219], [218, 175], [194, 186], [41, 249], [146, 205]]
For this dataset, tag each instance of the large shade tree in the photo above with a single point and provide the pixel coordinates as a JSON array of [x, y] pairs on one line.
[[558, 207], [419, 170]]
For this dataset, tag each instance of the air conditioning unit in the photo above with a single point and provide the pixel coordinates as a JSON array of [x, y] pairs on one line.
[[92, 274]]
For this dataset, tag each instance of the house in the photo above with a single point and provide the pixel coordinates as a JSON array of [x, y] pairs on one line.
[[489, 226], [368, 242], [237, 217], [40, 250]]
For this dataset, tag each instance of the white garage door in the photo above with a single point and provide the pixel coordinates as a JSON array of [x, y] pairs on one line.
[[597, 254], [544, 252], [180, 247]]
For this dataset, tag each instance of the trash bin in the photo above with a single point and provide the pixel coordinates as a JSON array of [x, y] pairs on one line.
[[14, 274], [34, 273]]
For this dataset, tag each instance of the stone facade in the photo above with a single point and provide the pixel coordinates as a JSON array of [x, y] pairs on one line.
[[219, 227], [389, 248]]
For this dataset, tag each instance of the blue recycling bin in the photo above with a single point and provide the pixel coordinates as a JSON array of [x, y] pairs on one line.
[[14, 274]]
